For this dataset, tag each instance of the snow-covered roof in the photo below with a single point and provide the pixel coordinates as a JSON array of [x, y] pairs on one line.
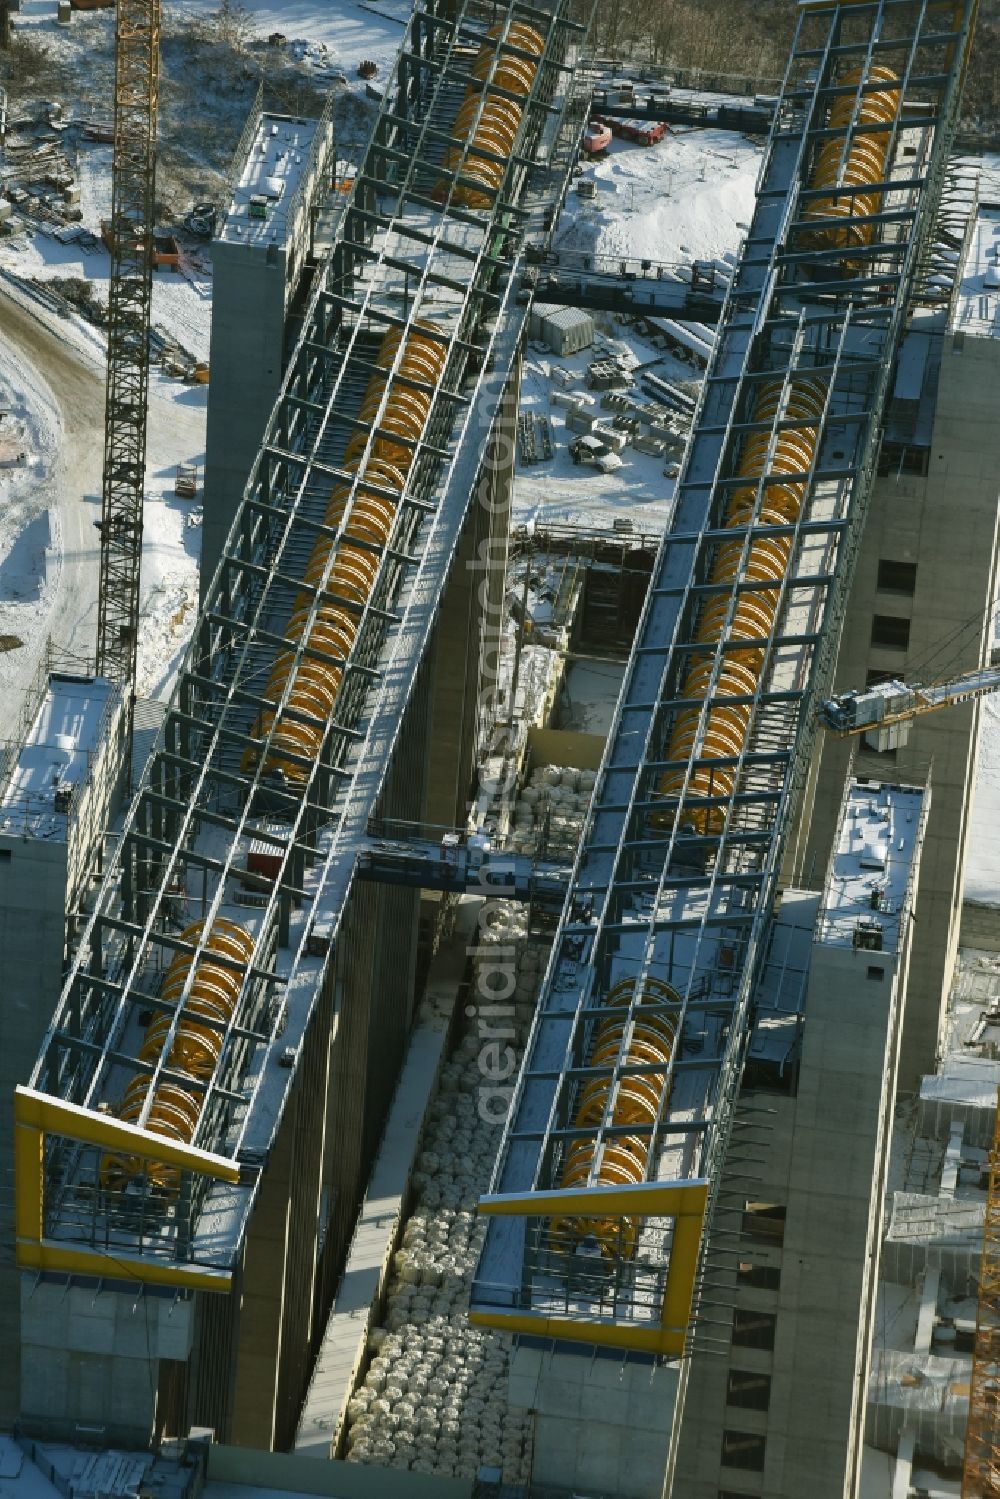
[[977, 305], [873, 865], [276, 163], [56, 755]]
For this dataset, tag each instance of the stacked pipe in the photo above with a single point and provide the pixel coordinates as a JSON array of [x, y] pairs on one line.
[[195, 1048], [346, 568], [865, 161], [754, 613], [636, 1099], [500, 119]]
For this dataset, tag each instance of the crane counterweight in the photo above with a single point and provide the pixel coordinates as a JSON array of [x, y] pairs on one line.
[[883, 711]]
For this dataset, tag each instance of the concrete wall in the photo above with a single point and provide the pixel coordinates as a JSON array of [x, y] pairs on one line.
[[94, 807], [361, 1292], [822, 1153], [601, 1421], [465, 658], [565, 747], [279, 1472], [89, 1358], [249, 301], [32, 944], [946, 524], [980, 926], [253, 287], [41, 880]]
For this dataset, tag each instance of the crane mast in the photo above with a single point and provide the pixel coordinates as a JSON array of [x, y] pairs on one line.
[[137, 51]]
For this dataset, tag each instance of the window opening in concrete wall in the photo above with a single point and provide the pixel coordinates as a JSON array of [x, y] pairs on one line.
[[748, 1389], [764, 1221], [753, 1329], [896, 459], [891, 631], [876, 973], [897, 577], [761, 1277], [743, 1449]]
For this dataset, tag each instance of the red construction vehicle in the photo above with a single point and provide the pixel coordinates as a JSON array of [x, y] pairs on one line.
[[596, 138], [639, 132]]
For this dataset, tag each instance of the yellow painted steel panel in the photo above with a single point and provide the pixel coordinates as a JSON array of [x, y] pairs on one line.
[[683, 1264], [649, 1199], [29, 1161], [54, 1116], [129, 1267], [683, 1201], [667, 1342]]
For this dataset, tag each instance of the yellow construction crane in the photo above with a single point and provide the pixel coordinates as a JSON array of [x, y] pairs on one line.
[[884, 711], [130, 239]]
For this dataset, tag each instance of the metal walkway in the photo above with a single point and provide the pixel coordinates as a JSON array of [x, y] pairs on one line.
[[649, 101], [569, 278], [462, 865]]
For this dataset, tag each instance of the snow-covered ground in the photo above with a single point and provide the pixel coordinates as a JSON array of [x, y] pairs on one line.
[[48, 548], [29, 528], [689, 198], [331, 34], [328, 36], [53, 381], [560, 490], [171, 545], [182, 301]]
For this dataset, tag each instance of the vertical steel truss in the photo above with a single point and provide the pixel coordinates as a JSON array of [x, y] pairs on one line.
[[693, 910], [137, 54], [401, 255]]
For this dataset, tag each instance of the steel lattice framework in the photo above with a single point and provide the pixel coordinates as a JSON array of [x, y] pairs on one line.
[[137, 53], [431, 246], [667, 918], [981, 1469]]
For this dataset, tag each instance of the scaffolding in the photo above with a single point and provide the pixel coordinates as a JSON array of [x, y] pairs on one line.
[[669, 909]]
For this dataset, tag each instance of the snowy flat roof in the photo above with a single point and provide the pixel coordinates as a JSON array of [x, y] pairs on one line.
[[977, 304], [278, 159], [873, 864], [56, 755]]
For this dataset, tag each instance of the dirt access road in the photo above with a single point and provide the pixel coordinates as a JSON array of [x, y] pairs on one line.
[[72, 489]]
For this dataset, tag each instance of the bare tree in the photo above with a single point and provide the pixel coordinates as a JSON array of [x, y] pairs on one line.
[[233, 24]]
